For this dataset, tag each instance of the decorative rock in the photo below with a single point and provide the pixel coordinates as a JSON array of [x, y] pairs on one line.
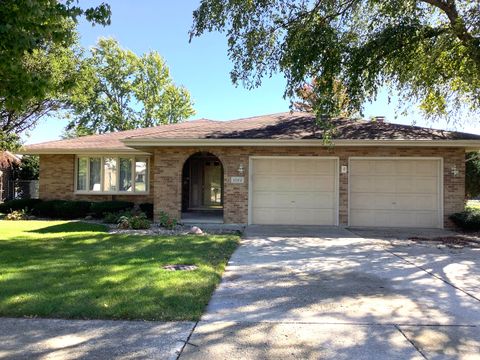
[[195, 230], [89, 217]]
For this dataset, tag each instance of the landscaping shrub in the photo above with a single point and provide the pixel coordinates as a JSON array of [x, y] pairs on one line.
[[17, 215], [147, 209], [167, 221], [99, 209], [468, 220], [46, 209], [62, 209], [135, 222], [19, 204], [71, 209], [113, 218]]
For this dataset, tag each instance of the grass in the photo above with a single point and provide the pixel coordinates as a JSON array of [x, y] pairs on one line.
[[63, 269], [473, 205]]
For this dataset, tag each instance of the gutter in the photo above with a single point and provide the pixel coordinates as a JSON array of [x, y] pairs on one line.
[[469, 145]]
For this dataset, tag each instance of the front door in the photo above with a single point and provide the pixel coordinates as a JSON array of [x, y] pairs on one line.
[[205, 183]]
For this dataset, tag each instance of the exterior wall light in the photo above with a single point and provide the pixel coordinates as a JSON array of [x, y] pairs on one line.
[[240, 169], [455, 170]]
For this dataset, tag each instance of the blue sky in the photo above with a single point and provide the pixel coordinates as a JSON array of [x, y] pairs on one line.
[[202, 66]]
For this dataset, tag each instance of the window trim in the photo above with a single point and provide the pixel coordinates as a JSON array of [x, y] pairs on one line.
[[102, 164]]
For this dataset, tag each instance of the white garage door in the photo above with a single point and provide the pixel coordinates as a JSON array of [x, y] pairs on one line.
[[395, 193], [293, 191]]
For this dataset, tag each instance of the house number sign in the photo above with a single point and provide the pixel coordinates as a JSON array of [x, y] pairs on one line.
[[237, 180]]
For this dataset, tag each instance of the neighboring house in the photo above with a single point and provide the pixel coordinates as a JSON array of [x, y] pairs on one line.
[[272, 169], [8, 161]]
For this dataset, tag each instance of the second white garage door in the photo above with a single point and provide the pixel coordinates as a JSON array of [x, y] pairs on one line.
[[395, 193], [293, 191]]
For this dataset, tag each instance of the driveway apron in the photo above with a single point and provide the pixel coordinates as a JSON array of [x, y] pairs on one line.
[[324, 292]]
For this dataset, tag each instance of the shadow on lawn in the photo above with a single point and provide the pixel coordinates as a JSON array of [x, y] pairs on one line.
[[71, 227]]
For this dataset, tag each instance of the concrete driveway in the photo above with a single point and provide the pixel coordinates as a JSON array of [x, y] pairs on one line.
[[310, 293]]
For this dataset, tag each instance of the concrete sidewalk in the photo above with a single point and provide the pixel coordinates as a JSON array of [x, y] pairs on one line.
[[91, 339], [318, 292]]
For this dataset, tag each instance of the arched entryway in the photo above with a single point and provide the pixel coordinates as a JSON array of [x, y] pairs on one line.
[[202, 188]]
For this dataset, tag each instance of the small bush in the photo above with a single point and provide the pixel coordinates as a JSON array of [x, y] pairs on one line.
[[147, 209], [135, 222], [113, 218], [72, 209], [18, 204], [62, 209], [46, 209], [167, 221], [468, 220], [99, 209], [17, 215]]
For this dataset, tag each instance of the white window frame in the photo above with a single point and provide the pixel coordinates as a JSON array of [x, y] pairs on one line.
[[117, 158]]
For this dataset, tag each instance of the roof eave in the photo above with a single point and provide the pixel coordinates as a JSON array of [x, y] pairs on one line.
[[90, 151], [470, 145]]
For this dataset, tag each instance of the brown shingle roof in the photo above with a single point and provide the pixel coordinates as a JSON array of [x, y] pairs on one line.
[[287, 126]]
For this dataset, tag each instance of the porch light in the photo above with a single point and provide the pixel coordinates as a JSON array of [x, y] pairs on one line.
[[240, 169], [454, 170]]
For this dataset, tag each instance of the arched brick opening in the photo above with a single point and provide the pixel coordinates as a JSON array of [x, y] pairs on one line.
[[202, 188]]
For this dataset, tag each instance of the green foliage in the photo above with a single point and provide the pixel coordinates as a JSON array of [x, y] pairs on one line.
[[29, 168], [28, 29], [18, 204], [39, 60], [123, 91], [428, 51], [468, 220], [166, 221], [147, 209], [135, 222], [62, 209], [71, 209], [58, 269], [17, 215], [99, 209], [472, 175]]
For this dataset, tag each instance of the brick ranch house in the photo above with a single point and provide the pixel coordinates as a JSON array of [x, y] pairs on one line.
[[272, 169]]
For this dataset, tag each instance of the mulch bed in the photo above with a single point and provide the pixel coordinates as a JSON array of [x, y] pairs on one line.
[[456, 241]]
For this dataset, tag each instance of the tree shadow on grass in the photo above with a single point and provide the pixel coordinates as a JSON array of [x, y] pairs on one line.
[[74, 226]]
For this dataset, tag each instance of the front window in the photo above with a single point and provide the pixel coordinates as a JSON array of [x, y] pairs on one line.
[[110, 174]]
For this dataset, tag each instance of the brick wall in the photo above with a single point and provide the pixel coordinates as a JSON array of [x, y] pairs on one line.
[[169, 162], [57, 179], [57, 176]]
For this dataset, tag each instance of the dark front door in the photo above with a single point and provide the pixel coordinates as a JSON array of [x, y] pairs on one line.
[[205, 175]]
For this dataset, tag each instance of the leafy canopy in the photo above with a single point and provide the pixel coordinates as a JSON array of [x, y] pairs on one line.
[[27, 26], [38, 59], [472, 178], [427, 50], [120, 91]]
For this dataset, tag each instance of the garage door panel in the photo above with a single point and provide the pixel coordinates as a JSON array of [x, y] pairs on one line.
[[389, 218], [304, 200], [293, 191], [408, 196], [287, 216]]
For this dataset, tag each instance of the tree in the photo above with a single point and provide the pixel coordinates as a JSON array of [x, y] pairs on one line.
[[61, 66], [29, 168], [335, 104], [122, 91], [35, 37], [427, 50], [27, 26], [472, 177]]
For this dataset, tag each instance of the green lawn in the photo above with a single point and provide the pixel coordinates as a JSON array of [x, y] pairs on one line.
[[64, 269]]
